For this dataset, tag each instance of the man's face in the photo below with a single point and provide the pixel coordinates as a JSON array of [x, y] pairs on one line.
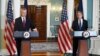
[[23, 12], [79, 15]]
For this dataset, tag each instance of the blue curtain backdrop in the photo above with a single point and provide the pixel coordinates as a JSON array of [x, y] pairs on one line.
[[90, 17], [90, 13]]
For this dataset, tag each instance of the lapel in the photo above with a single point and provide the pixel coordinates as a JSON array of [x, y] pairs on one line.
[[26, 22]]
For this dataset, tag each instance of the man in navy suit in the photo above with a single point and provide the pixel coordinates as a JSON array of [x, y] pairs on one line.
[[79, 24], [23, 23]]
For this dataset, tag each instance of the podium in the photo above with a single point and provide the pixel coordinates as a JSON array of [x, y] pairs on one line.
[[25, 44], [83, 36]]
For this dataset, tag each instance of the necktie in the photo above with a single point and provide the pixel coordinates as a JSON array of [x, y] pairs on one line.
[[80, 24], [24, 22]]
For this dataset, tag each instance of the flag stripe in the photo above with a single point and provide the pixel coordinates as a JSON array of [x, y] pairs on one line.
[[62, 41], [60, 45], [9, 50], [7, 45], [8, 37], [66, 34], [65, 27], [67, 31], [10, 43], [11, 33]]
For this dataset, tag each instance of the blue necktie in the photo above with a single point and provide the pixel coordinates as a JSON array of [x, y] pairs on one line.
[[80, 24]]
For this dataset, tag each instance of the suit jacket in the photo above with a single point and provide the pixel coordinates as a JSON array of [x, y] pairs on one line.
[[19, 25], [76, 27]]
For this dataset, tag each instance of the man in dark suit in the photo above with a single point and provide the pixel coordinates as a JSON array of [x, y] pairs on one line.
[[22, 24], [79, 24]]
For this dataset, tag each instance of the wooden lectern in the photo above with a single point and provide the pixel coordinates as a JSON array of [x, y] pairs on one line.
[[26, 42], [83, 45]]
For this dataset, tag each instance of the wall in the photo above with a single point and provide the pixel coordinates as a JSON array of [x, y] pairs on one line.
[[95, 42], [3, 7], [55, 15]]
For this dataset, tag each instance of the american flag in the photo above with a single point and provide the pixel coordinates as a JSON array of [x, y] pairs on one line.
[[64, 38], [9, 27]]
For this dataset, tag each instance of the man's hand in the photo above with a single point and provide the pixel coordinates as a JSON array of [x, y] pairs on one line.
[[71, 30], [35, 29]]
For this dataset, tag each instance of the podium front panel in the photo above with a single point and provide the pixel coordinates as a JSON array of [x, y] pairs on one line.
[[20, 34], [80, 34]]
